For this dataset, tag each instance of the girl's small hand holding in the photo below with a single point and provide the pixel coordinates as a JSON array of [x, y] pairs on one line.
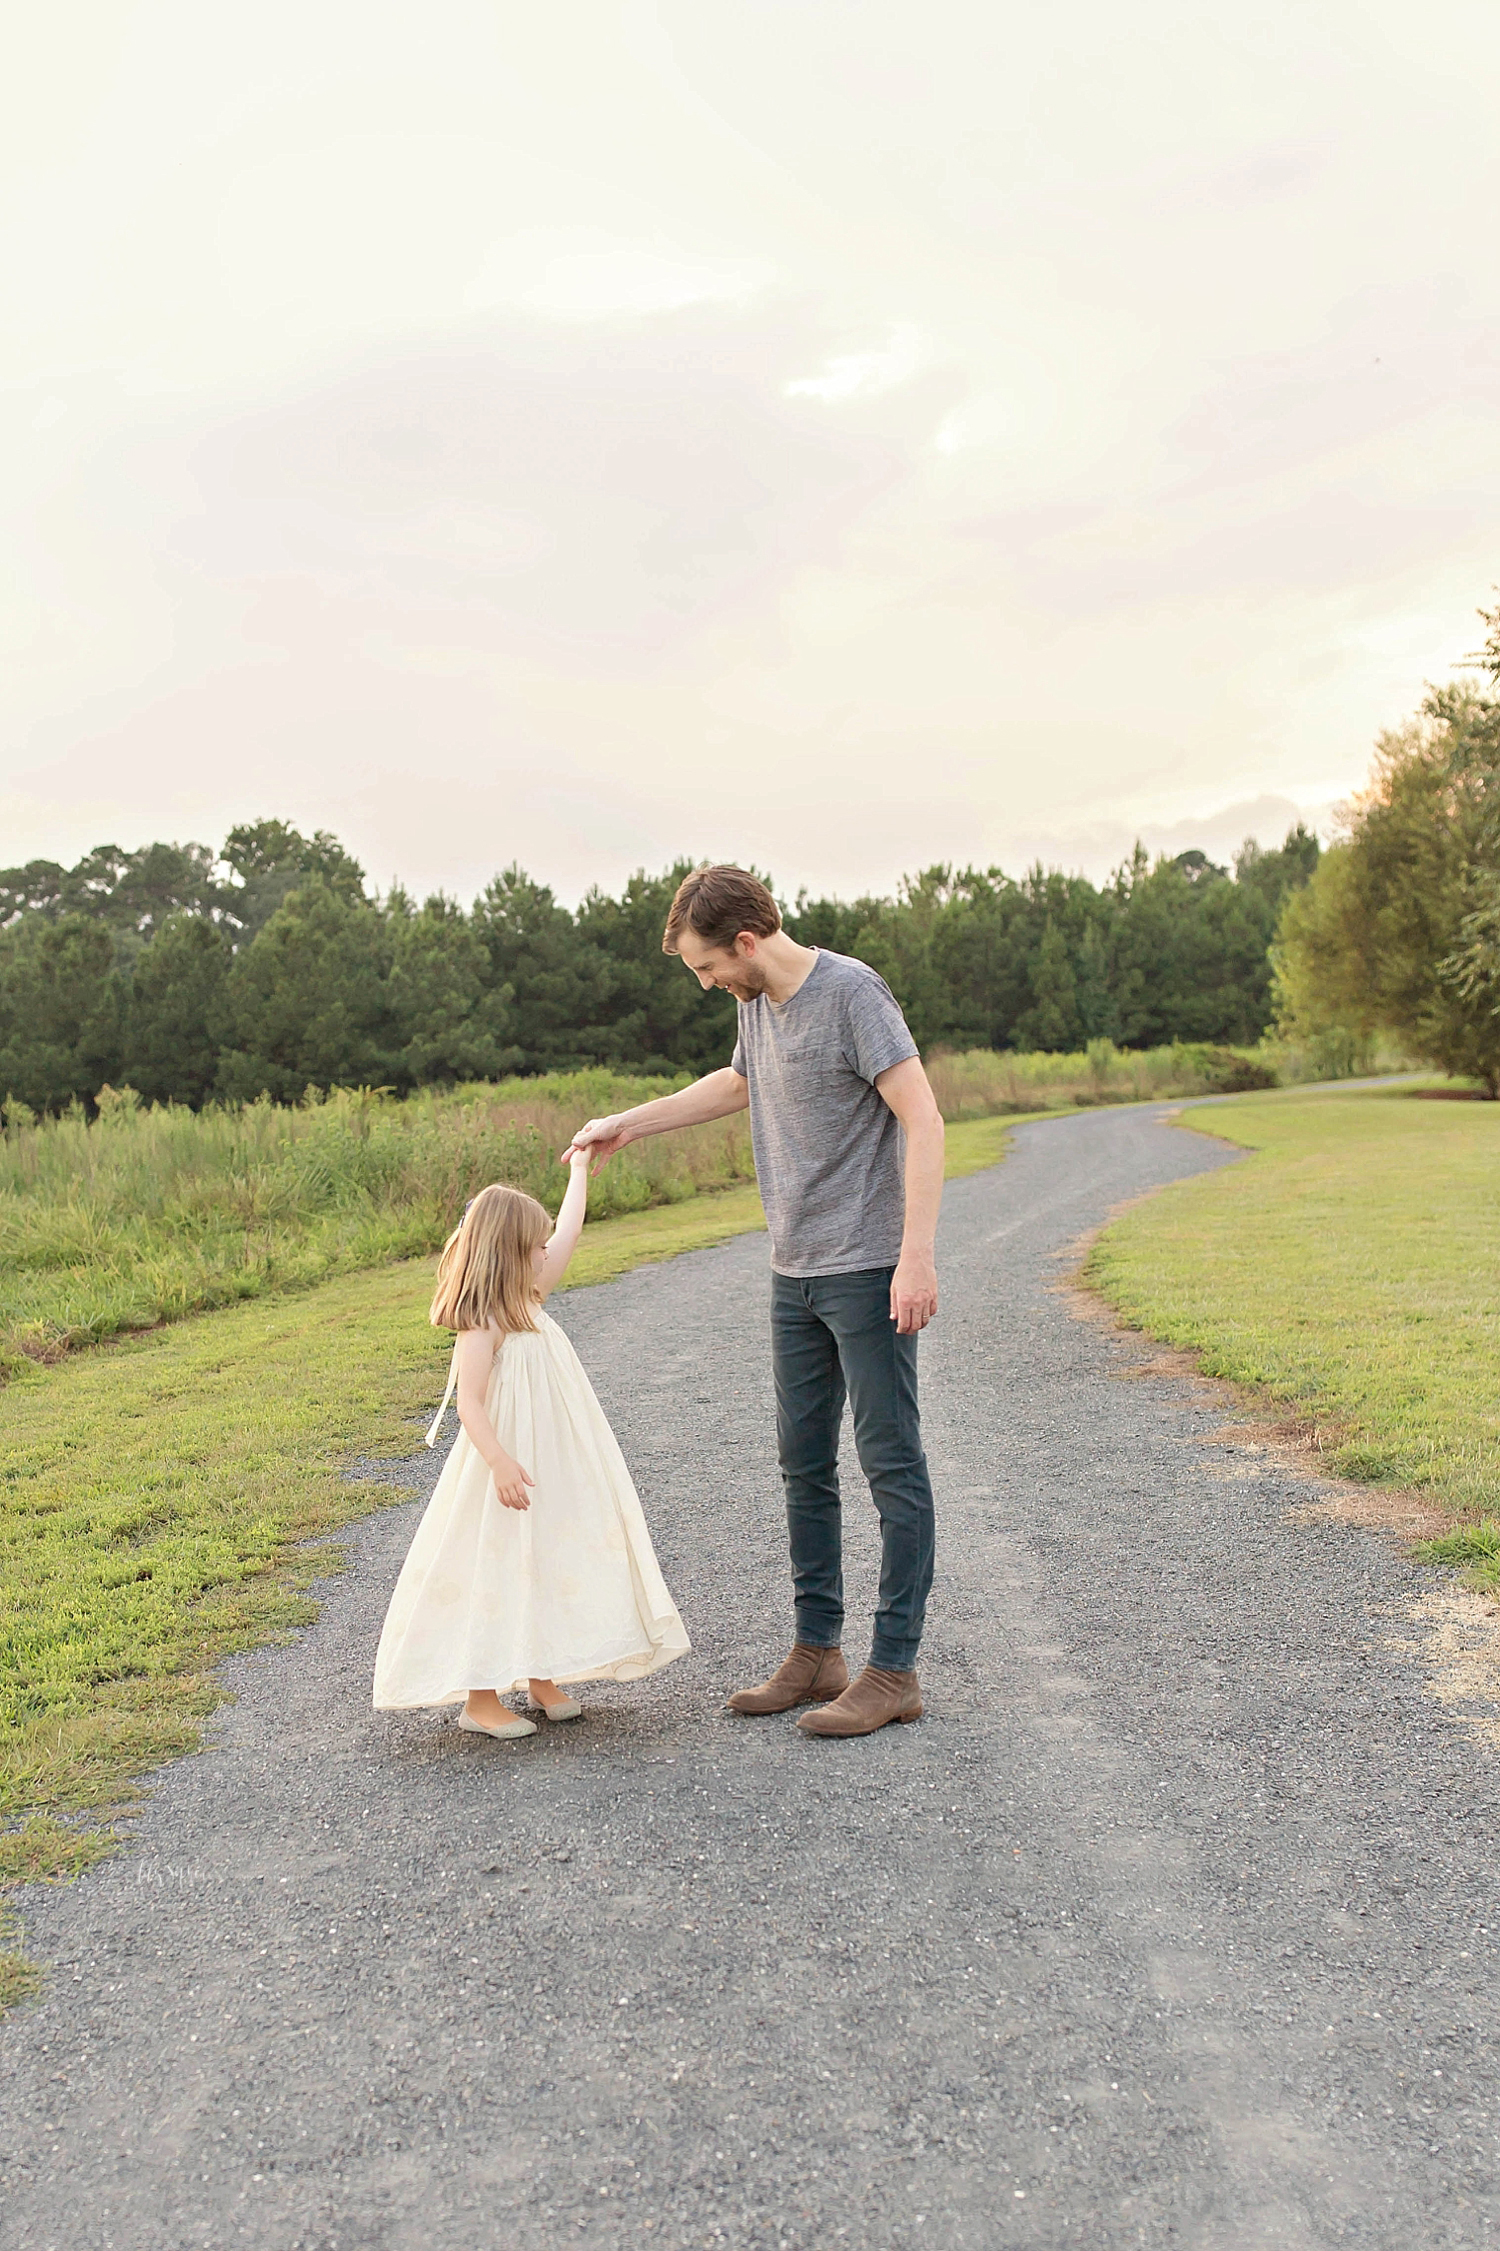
[[511, 1482], [576, 1157], [599, 1140]]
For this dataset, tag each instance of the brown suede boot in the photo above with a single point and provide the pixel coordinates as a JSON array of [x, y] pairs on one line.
[[809, 1676], [875, 1699]]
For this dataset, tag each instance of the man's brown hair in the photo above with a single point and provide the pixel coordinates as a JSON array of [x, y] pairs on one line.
[[716, 904]]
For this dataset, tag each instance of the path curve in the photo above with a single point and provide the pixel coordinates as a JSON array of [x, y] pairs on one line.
[[1171, 1925]]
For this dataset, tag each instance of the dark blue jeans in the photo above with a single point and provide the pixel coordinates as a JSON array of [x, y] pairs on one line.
[[832, 1336]]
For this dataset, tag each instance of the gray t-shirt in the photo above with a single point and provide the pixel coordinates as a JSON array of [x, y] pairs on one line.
[[829, 1154]]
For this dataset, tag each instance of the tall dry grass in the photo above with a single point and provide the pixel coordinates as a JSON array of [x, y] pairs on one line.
[[982, 1084], [146, 1215]]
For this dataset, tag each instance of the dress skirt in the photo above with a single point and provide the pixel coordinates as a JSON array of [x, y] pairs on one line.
[[568, 1589]]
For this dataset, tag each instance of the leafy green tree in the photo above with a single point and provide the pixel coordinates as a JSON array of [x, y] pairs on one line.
[[1097, 1015], [136, 892], [284, 974], [35, 889], [1189, 945], [1391, 934], [979, 960], [132, 892], [61, 1011], [652, 1012], [449, 1020], [307, 1001], [552, 990], [1061, 932], [178, 1013], [1275, 875], [917, 942], [1052, 1020], [828, 922], [1473, 968], [1322, 995], [978, 954], [270, 859]]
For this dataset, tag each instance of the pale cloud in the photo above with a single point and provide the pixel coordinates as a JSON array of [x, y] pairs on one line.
[[529, 494], [977, 422], [581, 274], [865, 375], [1097, 847]]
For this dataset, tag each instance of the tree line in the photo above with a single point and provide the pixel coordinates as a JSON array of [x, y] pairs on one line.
[[268, 967], [1399, 930]]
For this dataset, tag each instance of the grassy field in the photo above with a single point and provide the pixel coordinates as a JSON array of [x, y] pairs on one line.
[[145, 1216], [1349, 1270], [158, 1495], [111, 1227]]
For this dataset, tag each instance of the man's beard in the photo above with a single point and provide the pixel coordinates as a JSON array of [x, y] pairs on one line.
[[747, 983]]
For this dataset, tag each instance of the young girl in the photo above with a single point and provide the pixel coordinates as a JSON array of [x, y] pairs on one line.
[[533, 1563]]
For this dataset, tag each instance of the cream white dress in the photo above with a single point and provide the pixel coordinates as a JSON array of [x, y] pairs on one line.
[[568, 1589]]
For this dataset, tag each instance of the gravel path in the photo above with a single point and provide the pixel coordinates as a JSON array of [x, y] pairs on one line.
[[1164, 1928]]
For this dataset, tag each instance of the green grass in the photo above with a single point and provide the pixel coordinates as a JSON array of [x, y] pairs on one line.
[[1475, 1545], [976, 1143], [153, 1496], [1347, 1271], [159, 1496]]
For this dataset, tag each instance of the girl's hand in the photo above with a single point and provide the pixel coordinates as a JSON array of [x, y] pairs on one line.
[[511, 1482], [575, 1157], [599, 1140]]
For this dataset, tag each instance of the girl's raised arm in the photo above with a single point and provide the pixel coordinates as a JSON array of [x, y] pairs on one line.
[[564, 1239]]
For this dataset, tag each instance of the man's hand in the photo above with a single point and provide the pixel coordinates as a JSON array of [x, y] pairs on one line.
[[511, 1482], [914, 1292], [718, 1095], [601, 1137]]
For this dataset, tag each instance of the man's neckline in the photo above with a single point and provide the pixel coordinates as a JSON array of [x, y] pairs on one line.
[[812, 971]]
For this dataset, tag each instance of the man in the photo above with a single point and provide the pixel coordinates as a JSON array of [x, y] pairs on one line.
[[849, 1153]]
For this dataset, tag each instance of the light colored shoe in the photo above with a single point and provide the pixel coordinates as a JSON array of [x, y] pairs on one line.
[[563, 1709], [508, 1732]]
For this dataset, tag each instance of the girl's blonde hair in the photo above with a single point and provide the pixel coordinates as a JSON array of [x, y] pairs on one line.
[[485, 1274]]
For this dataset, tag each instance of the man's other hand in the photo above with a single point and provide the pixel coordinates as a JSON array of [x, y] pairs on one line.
[[914, 1293]]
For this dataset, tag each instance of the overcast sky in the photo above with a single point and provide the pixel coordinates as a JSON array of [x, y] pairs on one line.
[[835, 434]]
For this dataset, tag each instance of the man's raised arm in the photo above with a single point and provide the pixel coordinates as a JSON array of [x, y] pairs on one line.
[[718, 1095]]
